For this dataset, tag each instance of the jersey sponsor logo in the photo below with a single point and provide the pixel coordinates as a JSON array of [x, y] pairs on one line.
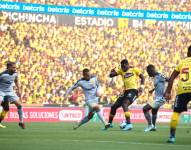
[[187, 88], [127, 75]]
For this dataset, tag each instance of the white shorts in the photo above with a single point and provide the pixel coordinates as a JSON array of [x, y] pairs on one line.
[[159, 101], [10, 95], [91, 105]]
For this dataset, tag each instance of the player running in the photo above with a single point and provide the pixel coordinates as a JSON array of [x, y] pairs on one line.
[[91, 89], [159, 89], [183, 69], [8, 78], [130, 76]]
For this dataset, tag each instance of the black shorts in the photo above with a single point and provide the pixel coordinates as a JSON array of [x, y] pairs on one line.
[[130, 95], [181, 102]]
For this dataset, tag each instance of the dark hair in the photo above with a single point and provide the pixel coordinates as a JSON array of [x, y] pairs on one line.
[[124, 61], [189, 49], [85, 70], [150, 66], [10, 63]]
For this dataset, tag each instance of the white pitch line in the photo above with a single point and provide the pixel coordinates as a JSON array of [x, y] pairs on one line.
[[114, 142], [125, 142]]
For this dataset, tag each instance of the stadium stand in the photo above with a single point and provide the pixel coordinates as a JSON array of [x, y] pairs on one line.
[[51, 57]]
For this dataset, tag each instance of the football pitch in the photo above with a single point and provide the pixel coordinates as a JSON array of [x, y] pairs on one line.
[[61, 136]]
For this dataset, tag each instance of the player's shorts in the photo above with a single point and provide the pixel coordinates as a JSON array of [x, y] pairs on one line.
[[130, 95], [11, 96], [91, 105], [158, 102], [181, 102]]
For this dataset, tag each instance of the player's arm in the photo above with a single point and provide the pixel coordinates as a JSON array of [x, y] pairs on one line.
[[170, 84], [142, 83], [113, 73], [142, 79], [72, 88], [17, 86]]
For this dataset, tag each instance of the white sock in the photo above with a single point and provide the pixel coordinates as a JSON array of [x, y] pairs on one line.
[[83, 121], [100, 116]]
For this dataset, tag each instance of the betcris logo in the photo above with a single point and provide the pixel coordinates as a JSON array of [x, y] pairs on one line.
[[127, 75], [70, 115]]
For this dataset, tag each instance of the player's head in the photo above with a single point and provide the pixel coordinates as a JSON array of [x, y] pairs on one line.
[[151, 70], [86, 74], [189, 51], [11, 67], [124, 65]]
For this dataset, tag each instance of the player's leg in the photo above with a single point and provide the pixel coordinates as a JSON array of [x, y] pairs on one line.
[[5, 106], [86, 118], [173, 124], [125, 105], [158, 102], [146, 112], [113, 110], [180, 105], [5, 110], [155, 107], [97, 109], [15, 100], [154, 118], [129, 97]]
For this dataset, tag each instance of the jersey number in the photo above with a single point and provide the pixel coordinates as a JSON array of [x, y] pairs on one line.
[[185, 72]]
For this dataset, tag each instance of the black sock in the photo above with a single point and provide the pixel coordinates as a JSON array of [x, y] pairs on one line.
[[172, 132], [111, 118], [148, 117], [154, 117]]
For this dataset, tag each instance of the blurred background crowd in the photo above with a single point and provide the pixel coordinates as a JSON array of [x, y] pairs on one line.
[[50, 58]]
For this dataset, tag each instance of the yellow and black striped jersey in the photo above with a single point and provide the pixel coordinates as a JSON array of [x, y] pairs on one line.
[[184, 68]]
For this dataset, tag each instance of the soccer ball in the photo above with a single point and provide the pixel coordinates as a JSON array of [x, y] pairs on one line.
[[122, 124], [99, 91]]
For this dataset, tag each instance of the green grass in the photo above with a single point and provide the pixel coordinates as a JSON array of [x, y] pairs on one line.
[[60, 136]]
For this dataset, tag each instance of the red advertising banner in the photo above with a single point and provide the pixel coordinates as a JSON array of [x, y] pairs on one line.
[[75, 114], [136, 115], [164, 115], [46, 114]]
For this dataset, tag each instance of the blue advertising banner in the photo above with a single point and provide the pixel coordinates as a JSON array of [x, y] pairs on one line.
[[96, 12]]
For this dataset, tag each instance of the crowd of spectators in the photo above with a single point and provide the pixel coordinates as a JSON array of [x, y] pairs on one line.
[[50, 58], [166, 5]]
